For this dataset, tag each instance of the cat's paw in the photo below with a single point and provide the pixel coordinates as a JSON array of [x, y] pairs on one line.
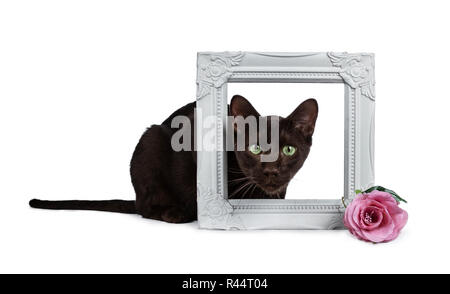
[[175, 215]]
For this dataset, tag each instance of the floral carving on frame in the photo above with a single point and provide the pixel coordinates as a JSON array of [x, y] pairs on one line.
[[215, 210], [357, 70], [215, 71]]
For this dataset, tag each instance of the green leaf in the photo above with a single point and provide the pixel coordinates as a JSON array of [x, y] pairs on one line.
[[395, 195], [371, 189], [383, 189], [358, 192]]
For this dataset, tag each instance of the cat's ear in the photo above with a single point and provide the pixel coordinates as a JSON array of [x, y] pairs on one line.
[[304, 116], [240, 106]]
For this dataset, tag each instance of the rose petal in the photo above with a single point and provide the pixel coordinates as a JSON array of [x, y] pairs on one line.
[[400, 221], [379, 215], [355, 217], [382, 197], [348, 216], [390, 217], [381, 233]]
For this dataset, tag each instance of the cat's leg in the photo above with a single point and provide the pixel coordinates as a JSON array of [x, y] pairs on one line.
[[161, 203], [161, 178], [170, 214], [164, 210], [176, 214], [146, 204], [153, 213], [156, 201]]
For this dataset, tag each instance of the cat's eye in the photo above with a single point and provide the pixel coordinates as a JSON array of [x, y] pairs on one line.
[[289, 150], [255, 149]]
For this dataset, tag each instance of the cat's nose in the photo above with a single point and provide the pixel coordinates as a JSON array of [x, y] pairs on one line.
[[271, 172]]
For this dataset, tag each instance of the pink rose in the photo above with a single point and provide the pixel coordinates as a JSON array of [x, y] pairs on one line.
[[375, 217]]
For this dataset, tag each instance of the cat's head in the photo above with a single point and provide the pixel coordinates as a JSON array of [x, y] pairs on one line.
[[295, 139]]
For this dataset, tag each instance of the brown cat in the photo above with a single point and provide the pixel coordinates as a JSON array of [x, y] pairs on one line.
[[165, 180], [270, 179]]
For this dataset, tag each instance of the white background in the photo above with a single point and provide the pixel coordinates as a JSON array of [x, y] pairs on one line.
[[81, 80], [325, 162]]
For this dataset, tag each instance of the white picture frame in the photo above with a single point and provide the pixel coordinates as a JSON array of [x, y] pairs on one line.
[[216, 69]]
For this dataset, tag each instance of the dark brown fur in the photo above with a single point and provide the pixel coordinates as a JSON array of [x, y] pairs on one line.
[[267, 180], [165, 181]]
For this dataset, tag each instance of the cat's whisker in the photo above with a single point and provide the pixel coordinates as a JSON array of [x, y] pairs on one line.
[[246, 190], [238, 180], [240, 189], [279, 195], [242, 196], [236, 184], [236, 191], [253, 190], [236, 172]]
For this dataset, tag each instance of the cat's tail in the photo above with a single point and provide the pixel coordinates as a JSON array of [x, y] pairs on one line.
[[121, 206]]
